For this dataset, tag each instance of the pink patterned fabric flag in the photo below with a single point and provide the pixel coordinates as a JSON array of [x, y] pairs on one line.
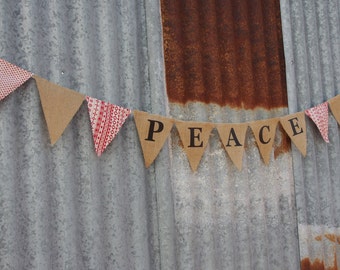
[[319, 115], [106, 121], [11, 77]]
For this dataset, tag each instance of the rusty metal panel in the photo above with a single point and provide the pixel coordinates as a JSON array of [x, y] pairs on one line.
[[224, 63], [311, 32], [224, 52]]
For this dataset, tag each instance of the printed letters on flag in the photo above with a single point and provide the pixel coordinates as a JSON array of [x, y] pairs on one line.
[[195, 137], [233, 139], [264, 132], [295, 127], [153, 130]]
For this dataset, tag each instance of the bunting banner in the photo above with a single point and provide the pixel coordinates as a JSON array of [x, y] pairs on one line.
[[295, 127], [319, 115], [11, 78], [153, 130], [106, 121], [233, 138], [195, 137], [264, 132], [59, 106], [334, 104]]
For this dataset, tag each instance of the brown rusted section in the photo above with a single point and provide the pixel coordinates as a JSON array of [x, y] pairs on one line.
[[225, 52], [317, 264], [331, 237], [318, 238]]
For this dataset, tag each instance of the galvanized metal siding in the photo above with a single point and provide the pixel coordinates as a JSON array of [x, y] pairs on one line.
[[311, 31], [62, 207]]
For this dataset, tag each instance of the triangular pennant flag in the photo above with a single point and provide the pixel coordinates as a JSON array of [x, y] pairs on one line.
[[11, 77], [59, 105], [152, 130], [334, 104], [319, 115], [264, 132], [233, 139], [295, 127], [195, 137], [106, 121]]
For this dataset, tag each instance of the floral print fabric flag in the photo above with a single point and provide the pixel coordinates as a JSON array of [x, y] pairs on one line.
[[11, 77], [319, 115], [106, 121]]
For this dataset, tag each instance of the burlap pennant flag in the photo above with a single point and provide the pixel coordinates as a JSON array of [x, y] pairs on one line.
[[59, 105], [195, 137], [233, 139], [295, 127], [153, 130], [334, 104], [264, 132], [106, 121], [319, 115], [11, 77]]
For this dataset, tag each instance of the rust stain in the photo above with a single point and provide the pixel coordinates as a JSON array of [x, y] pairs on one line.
[[318, 238], [317, 264], [331, 237], [224, 52]]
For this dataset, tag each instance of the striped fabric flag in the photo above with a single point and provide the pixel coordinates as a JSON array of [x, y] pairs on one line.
[[106, 121]]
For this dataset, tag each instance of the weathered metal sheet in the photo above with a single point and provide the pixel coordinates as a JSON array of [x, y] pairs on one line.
[[62, 207], [311, 32], [224, 52], [224, 63]]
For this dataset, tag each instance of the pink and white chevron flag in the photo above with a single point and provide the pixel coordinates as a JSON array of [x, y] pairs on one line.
[[319, 115], [106, 121], [11, 77]]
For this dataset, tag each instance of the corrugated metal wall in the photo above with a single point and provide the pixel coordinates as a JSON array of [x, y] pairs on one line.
[[62, 207], [224, 63], [311, 31]]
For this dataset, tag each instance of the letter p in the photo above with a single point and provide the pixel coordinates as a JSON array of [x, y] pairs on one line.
[[154, 127]]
